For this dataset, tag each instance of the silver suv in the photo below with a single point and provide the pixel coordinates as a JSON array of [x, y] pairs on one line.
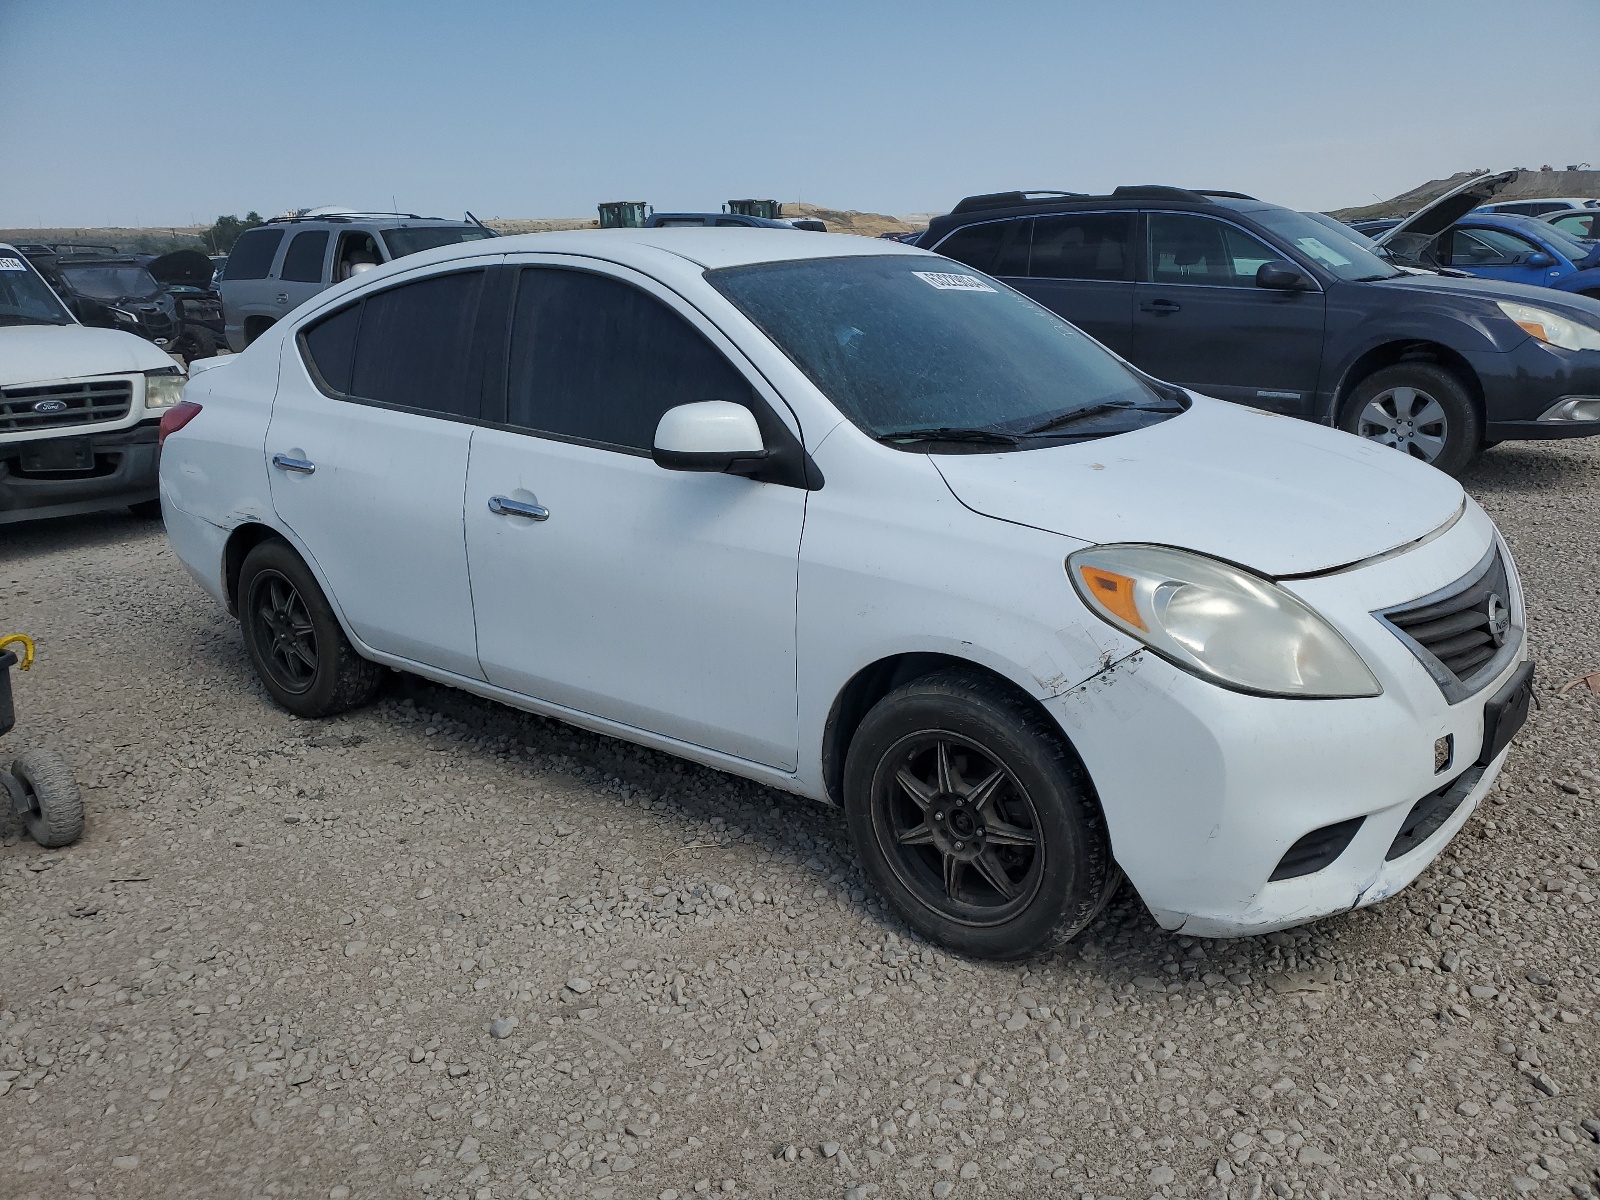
[[279, 265]]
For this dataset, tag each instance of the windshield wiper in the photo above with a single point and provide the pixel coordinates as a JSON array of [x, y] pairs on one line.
[[949, 433], [1079, 414]]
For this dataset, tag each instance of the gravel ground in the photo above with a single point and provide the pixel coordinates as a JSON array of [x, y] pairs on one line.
[[441, 948]]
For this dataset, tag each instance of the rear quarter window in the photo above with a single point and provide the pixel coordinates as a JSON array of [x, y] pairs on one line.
[[253, 254]]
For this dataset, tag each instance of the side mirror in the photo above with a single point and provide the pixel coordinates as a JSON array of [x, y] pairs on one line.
[[1282, 277], [709, 435], [1541, 259]]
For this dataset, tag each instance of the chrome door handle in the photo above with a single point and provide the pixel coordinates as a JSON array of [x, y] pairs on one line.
[[283, 297], [284, 463], [504, 506]]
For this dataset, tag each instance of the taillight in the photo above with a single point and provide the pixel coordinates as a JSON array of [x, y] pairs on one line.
[[176, 417]]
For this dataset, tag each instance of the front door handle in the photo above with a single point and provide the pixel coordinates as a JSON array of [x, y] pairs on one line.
[[504, 506], [1160, 306], [284, 463]]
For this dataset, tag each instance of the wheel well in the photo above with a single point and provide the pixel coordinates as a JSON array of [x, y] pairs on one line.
[[1392, 353], [240, 542], [871, 684]]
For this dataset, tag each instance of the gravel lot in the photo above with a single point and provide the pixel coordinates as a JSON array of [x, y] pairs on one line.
[[442, 948]]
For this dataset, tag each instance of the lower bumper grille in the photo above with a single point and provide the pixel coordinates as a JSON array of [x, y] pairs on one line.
[[1428, 815], [1316, 850], [61, 405]]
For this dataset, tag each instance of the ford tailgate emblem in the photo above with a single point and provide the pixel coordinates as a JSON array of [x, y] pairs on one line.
[[50, 406]]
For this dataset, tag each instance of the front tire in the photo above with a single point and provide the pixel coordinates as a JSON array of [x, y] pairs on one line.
[[146, 510], [1419, 409], [974, 819], [294, 640]]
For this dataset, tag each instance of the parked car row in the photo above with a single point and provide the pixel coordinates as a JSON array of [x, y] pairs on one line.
[[864, 523], [79, 406], [1252, 302]]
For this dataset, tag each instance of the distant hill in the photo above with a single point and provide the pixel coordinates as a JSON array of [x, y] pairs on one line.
[[1528, 185]]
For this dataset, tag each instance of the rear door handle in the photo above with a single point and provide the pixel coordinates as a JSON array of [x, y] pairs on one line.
[[504, 506], [1160, 306], [284, 463], [283, 297]]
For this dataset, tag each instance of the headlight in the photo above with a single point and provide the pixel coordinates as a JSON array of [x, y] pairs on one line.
[[1223, 624], [1551, 328], [162, 389]]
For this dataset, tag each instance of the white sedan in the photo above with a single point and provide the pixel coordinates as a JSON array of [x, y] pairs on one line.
[[860, 523]]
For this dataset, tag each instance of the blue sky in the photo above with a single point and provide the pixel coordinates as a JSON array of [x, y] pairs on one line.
[[158, 112]]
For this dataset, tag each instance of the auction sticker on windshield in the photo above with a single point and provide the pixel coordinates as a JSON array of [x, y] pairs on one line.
[[12, 264], [949, 281]]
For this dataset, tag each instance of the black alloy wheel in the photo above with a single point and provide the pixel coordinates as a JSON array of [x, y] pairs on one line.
[[293, 638], [957, 828], [973, 817], [282, 626]]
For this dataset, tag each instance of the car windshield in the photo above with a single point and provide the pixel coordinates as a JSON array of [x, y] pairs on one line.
[[1337, 253], [915, 345], [1563, 241], [25, 299], [111, 283], [402, 242]]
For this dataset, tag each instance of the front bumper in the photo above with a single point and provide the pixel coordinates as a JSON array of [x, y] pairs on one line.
[[1524, 382], [1206, 790], [126, 470]]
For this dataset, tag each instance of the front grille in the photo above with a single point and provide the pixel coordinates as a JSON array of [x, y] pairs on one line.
[[1465, 633], [1428, 815], [91, 403]]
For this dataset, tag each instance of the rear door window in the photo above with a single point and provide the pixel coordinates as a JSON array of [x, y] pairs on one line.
[[1187, 249], [252, 254], [303, 261], [407, 347], [598, 360], [1083, 246]]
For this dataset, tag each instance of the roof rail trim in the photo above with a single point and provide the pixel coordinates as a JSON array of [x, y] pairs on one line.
[[1016, 199]]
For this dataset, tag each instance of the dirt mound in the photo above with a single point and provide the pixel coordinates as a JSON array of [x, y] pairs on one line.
[[1528, 185]]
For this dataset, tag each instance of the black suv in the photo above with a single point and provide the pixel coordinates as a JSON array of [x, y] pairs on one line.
[[1267, 306]]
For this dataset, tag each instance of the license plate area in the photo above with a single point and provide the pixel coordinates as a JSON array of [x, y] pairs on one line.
[[1505, 713], [59, 454]]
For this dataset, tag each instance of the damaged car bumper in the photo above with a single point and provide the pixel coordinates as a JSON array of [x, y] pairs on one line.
[[1235, 814]]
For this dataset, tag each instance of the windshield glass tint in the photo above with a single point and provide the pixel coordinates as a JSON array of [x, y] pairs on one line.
[[111, 283], [402, 242], [1336, 254], [916, 343], [25, 299]]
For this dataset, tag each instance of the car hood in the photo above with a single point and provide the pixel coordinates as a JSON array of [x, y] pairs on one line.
[[1275, 494], [43, 353], [1407, 240], [188, 267], [1458, 288]]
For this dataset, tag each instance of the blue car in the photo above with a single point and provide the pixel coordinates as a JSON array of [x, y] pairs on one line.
[[1519, 250]]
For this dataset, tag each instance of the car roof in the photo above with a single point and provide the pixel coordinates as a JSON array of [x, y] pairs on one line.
[[707, 247]]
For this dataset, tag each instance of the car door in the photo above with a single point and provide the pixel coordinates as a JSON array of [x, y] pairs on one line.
[[367, 454], [1202, 322], [603, 583], [1080, 265], [1500, 254], [304, 271]]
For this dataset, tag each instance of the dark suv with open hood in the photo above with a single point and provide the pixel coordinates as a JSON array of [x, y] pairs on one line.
[[1263, 305]]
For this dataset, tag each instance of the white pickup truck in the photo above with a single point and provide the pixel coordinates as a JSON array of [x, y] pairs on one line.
[[79, 407]]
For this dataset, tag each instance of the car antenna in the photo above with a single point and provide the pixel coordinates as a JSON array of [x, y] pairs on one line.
[[468, 216]]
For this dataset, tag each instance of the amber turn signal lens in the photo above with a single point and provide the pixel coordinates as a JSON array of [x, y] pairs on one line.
[[1114, 592]]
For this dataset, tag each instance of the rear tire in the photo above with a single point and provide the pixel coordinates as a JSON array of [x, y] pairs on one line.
[[294, 641], [51, 806], [198, 342], [974, 819], [1419, 409]]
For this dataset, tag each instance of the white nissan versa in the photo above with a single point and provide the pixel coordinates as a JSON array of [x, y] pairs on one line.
[[861, 523]]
